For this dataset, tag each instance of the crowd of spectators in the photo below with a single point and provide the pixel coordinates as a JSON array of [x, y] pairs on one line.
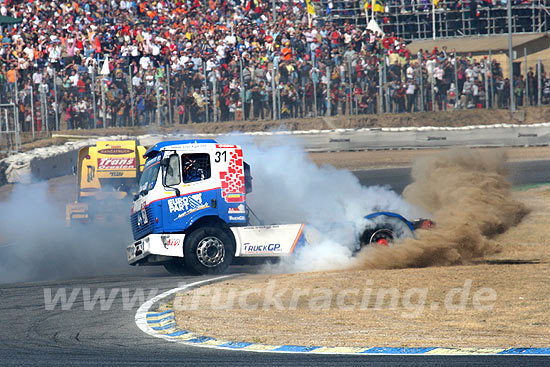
[[91, 63]]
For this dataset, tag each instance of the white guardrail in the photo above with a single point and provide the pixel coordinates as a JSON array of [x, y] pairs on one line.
[[45, 163]]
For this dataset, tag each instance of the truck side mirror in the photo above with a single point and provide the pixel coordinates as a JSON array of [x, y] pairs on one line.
[[171, 172], [247, 179]]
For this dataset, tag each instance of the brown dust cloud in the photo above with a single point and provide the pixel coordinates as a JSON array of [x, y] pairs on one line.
[[468, 193]]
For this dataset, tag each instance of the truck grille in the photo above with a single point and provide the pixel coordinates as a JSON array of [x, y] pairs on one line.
[[142, 230]]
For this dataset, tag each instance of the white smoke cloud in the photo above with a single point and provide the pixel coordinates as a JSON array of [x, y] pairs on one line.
[[289, 188], [36, 245]]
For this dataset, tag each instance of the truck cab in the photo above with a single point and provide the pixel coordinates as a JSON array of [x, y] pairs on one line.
[[107, 176], [187, 181]]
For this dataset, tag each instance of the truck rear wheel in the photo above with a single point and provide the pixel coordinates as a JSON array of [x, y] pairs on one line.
[[385, 233], [208, 250]]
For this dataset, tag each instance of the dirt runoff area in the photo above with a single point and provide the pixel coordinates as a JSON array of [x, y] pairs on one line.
[[479, 279], [373, 159]]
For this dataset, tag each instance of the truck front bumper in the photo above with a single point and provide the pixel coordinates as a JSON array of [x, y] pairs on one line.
[[155, 248]]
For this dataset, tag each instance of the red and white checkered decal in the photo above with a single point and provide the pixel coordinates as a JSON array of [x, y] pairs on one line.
[[233, 180], [116, 163]]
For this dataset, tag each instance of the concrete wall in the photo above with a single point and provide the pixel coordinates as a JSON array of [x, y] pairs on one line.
[[59, 165]]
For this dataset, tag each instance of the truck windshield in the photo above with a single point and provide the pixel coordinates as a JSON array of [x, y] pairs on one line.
[[150, 173]]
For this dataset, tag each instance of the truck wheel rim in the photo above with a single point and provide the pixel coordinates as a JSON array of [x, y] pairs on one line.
[[210, 252], [382, 237]]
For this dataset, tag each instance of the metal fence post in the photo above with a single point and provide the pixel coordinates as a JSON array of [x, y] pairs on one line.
[[432, 89], [350, 109], [527, 92], [168, 94], [16, 129], [55, 100], [314, 80], [274, 96], [512, 105], [44, 126], [206, 96], [243, 91], [329, 96], [421, 78], [16, 114], [380, 89], [539, 82], [94, 102], [214, 95], [457, 91], [103, 104], [279, 102], [386, 87], [32, 111], [491, 79], [485, 72], [132, 98], [16, 117], [157, 97]]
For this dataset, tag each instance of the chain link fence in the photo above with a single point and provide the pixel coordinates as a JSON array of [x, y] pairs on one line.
[[123, 95]]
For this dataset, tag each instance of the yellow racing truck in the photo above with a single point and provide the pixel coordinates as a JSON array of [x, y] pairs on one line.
[[107, 177]]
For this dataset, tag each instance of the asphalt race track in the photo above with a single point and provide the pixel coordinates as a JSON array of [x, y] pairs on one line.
[[32, 335], [520, 173]]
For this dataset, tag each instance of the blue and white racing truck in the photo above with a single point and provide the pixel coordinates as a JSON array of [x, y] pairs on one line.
[[191, 213]]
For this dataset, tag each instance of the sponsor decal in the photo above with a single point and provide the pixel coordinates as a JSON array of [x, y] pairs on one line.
[[116, 163], [238, 210], [262, 249], [232, 179], [255, 228], [152, 161], [234, 198], [115, 151], [226, 146], [186, 205], [237, 217], [171, 242]]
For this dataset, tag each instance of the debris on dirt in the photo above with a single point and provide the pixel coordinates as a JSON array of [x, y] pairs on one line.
[[469, 196]]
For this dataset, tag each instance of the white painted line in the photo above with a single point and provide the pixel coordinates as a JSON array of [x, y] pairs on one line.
[[141, 314]]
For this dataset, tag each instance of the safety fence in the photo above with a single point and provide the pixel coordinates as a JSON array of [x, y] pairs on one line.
[[10, 137], [119, 95]]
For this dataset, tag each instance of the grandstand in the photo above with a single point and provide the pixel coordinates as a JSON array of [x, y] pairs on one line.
[[414, 19]]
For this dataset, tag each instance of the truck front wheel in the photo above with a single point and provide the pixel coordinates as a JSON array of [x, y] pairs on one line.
[[208, 250]]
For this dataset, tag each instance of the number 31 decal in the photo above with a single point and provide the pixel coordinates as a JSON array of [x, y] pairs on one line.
[[220, 156]]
